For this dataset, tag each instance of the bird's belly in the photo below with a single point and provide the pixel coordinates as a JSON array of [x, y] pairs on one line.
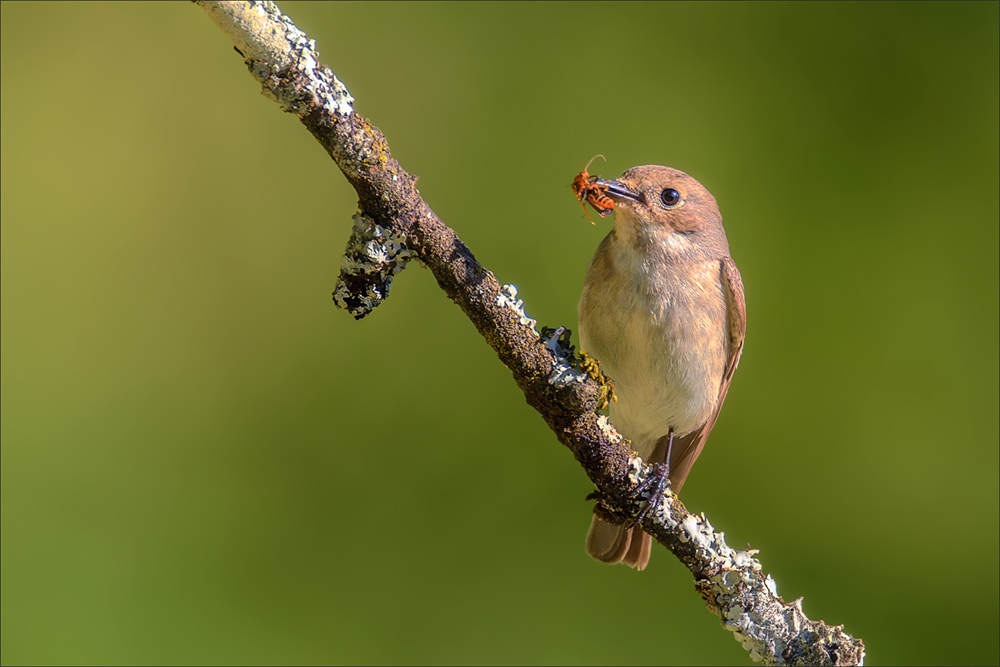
[[666, 355], [664, 384]]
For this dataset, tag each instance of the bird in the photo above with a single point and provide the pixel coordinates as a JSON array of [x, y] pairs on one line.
[[664, 312]]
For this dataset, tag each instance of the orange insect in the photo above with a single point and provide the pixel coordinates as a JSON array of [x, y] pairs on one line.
[[589, 192]]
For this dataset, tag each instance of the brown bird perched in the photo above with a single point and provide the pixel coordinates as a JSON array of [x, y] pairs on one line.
[[663, 310]]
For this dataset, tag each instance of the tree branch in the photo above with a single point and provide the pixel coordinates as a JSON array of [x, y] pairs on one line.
[[394, 225]]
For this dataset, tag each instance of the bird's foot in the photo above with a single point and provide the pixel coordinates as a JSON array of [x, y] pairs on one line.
[[652, 487], [656, 481]]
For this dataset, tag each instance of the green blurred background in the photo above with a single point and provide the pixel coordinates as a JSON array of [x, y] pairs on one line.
[[204, 461]]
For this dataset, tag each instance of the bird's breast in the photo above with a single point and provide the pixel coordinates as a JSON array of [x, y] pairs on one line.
[[660, 334]]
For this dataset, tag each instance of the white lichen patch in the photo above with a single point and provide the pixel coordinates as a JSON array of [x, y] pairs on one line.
[[638, 471], [742, 559], [749, 604], [289, 70], [508, 298], [373, 256], [663, 510], [564, 368], [614, 437], [689, 527]]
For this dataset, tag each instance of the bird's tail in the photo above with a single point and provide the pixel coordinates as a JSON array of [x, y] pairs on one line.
[[609, 543]]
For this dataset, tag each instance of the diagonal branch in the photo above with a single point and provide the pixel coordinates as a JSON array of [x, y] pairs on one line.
[[394, 225]]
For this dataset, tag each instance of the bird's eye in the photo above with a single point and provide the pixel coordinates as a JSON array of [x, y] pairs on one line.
[[670, 197]]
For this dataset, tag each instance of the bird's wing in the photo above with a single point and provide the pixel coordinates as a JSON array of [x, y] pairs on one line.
[[687, 448]]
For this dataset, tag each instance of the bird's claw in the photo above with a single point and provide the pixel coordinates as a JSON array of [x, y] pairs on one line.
[[652, 487]]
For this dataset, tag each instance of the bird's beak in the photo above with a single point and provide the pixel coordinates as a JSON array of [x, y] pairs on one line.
[[617, 190]]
